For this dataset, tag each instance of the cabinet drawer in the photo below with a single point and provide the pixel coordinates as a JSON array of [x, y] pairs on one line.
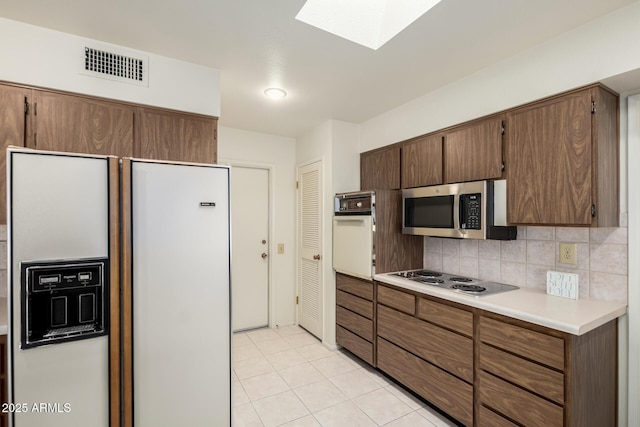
[[443, 348], [356, 345], [446, 316], [359, 287], [487, 417], [397, 299], [445, 391], [354, 303], [533, 345], [355, 323], [531, 376], [517, 404]]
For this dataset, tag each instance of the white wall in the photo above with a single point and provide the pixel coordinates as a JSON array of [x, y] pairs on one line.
[[41, 57], [346, 157], [278, 153], [335, 143]]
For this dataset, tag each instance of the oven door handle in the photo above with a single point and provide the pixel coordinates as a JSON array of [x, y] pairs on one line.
[[349, 220]]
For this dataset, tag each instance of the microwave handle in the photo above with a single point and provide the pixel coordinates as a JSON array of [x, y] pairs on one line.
[[461, 211]]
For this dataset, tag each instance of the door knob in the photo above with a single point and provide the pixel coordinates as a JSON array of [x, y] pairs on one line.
[[264, 255], [316, 257]]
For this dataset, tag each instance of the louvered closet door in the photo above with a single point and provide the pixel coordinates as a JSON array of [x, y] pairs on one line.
[[310, 243]]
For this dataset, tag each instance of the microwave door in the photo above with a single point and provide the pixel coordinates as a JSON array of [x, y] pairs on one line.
[[431, 215]]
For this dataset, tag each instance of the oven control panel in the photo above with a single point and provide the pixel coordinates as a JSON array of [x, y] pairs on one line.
[[360, 203]]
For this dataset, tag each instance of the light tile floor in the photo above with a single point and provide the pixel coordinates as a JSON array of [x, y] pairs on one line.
[[286, 377]]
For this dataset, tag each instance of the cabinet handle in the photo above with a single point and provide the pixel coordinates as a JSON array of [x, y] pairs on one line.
[[316, 257]]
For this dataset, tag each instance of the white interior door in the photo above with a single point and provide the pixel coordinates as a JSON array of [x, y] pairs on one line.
[[310, 243], [250, 236]]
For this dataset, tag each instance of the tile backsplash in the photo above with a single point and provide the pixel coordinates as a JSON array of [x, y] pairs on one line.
[[601, 254], [601, 258]]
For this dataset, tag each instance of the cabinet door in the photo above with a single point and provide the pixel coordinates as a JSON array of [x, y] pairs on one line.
[[82, 125], [380, 170], [422, 162], [12, 132], [167, 135], [548, 165], [473, 152]]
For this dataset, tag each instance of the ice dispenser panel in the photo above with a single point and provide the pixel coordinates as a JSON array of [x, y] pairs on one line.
[[63, 301]]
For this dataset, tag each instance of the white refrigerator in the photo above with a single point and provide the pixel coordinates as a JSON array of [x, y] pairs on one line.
[[119, 291]]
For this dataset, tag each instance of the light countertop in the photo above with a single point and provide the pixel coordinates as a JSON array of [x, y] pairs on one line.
[[531, 305]]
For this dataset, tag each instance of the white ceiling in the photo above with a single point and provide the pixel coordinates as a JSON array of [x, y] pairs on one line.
[[257, 44]]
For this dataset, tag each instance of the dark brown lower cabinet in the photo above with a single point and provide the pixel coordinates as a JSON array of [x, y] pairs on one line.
[[444, 390], [418, 347], [355, 316], [534, 376], [484, 369]]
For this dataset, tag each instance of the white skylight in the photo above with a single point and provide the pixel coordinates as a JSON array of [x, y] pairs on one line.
[[370, 23]]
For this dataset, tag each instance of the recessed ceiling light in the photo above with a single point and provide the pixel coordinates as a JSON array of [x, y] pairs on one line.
[[370, 23], [275, 93]]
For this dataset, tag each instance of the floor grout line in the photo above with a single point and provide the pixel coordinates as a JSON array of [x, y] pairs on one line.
[[382, 384]]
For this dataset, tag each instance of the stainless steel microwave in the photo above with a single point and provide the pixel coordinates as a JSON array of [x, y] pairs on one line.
[[467, 210]]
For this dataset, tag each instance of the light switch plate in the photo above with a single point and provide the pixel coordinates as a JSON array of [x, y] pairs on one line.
[[562, 284]]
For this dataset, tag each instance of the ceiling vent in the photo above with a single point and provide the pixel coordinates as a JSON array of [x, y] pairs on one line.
[[119, 66]]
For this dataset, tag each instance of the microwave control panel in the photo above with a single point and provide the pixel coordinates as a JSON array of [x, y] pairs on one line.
[[470, 211]]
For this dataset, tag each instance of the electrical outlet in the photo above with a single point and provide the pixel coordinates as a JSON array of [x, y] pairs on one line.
[[568, 253], [280, 248]]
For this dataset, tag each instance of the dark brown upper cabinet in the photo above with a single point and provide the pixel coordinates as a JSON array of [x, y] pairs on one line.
[[59, 121], [473, 151], [169, 135], [422, 161], [380, 169], [562, 160], [13, 131], [81, 125]]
